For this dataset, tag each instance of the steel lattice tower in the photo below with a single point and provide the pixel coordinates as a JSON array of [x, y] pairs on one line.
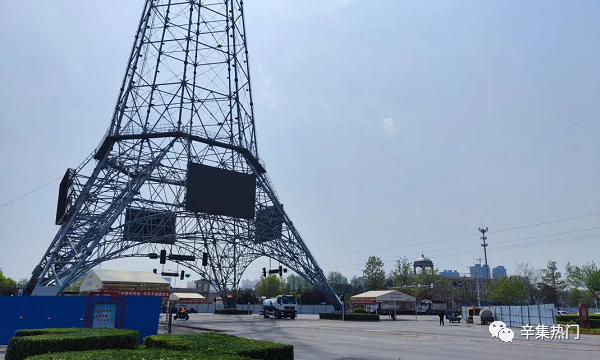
[[185, 98]]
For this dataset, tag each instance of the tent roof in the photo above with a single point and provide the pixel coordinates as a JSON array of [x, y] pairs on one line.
[[128, 276], [385, 295], [178, 296]]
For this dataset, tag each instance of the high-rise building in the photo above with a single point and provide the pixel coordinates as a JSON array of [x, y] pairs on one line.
[[499, 272], [478, 271], [450, 273], [248, 284]]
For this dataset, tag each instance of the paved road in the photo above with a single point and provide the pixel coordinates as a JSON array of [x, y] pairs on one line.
[[392, 340]]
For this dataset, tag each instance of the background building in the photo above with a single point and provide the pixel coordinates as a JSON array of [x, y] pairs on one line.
[[140, 283], [499, 272], [479, 272], [423, 263], [248, 284], [449, 273]]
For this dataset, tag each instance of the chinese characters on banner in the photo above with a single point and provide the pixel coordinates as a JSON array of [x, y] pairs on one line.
[[105, 316]]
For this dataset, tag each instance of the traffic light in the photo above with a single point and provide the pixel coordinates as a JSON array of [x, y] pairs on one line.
[[182, 275], [280, 270], [265, 272], [204, 259], [342, 298], [154, 271], [163, 256]]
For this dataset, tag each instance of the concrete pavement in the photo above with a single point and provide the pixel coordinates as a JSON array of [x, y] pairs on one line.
[[392, 340]]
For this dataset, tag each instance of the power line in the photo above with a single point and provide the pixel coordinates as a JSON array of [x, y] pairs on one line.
[[592, 236], [31, 192], [461, 237], [497, 242], [545, 223]]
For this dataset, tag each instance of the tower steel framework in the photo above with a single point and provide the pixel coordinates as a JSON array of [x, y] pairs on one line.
[[185, 98]]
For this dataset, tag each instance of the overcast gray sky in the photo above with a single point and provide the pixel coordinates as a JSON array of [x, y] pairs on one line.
[[384, 124]]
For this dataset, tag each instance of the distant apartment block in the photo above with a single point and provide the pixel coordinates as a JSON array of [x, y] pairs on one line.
[[450, 273], [499, 272], [480, 272], [248, 284]]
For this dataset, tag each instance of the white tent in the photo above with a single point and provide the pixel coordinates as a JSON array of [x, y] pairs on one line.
[[383, 296], [187, 298]]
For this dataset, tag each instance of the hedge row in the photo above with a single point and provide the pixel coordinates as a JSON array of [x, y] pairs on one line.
[[154, 354], [210, 343], [568, 319], [34, 342], [349, 317], [232, 312]]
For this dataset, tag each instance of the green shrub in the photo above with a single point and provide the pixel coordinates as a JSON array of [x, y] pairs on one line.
[[232, 312], [349, 317], [361, 317], [33, 332], [41, 341], [574, 319], [210, 343], [330, 316], [155, 354]]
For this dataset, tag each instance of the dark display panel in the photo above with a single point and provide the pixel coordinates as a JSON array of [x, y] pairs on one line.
[[63, 194], [269, 222], [220, 192], [149, 226]]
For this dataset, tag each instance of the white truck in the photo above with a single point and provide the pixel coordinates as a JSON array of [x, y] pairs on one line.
[[438, 307], [282, 306]]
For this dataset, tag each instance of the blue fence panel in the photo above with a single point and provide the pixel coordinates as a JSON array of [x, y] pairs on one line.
[[37, 312]]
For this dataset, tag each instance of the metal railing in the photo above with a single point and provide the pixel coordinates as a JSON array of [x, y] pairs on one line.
[[301, 309]]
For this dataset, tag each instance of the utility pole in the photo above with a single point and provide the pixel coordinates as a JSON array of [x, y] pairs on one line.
[[484, 238]]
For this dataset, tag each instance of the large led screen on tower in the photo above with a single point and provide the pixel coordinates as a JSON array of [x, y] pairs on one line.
[[220, 192], [269, 223], [149, 226], [63, 198]]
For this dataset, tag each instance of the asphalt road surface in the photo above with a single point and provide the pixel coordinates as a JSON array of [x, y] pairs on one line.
[[403, 339]]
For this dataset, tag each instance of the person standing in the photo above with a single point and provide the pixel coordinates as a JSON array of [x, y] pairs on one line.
[[441, 315]]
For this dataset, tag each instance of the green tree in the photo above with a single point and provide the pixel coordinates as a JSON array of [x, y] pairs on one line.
[[7, 285], [402, 275], [245, 296], [586, 276], [311, 297], [270, 287], [551, 283], [74, 287], [577, 296], [428, 284], [338, 282], [296, 284], [531, 278], [357, 285], [374, 274], [509, 290]]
